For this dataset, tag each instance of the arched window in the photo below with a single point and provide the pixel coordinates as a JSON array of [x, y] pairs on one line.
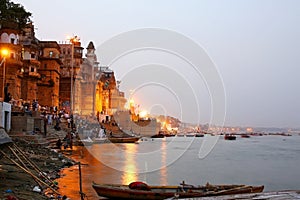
[[4, 38]]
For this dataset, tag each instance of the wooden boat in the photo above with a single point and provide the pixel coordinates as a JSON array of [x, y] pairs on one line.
[[159, 135], [190, 135], [229, 137], [199, 135], [245, 136], [100, 140], [123, 139], [140, 190]]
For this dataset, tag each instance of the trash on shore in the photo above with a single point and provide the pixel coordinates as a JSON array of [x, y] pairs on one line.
[[37, 189]]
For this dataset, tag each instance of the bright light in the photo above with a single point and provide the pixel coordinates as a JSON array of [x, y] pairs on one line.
[[143, 114], [73, 39], [249, 130], [4, 52]]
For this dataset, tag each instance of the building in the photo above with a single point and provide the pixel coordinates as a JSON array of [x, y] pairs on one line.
[[96, 89], [71, 57], [86, 83], [11, 70], [49, 83], [31, 64]]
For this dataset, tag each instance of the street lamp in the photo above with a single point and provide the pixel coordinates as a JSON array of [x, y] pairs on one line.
[[4, 53]]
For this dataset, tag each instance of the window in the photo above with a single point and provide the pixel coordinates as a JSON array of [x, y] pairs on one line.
[[64, 51], [69, 51], [12, 55], [50, 54], [32, 55], [12, 40], [32, 69], [45, 66]]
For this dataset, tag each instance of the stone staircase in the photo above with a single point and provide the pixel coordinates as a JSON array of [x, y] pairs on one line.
[[39, 138]]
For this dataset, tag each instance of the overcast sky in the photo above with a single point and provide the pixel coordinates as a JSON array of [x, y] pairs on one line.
[[254, 44]]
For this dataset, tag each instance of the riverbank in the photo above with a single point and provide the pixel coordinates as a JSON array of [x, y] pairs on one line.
[[18, 184]]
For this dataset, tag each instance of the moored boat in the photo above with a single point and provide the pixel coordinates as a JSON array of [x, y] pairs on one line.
[[190, 135], [245, 136], [123, 139], [140, 190], [100, 140], [159, 135], [229, 137]]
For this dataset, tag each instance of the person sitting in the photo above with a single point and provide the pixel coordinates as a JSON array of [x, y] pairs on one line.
[[58, 144]]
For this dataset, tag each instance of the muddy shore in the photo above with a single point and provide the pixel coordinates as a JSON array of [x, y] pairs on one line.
[[17, 184]]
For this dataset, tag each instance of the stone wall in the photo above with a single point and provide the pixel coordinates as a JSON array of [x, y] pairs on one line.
[[26, 123], [146, 129]]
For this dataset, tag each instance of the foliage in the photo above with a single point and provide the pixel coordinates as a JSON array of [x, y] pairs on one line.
[[13, 14]]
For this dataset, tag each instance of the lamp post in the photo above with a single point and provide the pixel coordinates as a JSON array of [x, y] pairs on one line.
[[72, 74], [4, 53], [73, 41]]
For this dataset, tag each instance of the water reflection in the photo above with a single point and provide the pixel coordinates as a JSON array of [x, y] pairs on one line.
[[130, 166], [163, 170], [256, 160]]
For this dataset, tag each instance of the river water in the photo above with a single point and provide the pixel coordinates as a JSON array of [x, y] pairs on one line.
[[272, 161]]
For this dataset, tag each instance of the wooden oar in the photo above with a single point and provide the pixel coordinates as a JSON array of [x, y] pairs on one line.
[[28, 172], [32, 164], [19, 159]]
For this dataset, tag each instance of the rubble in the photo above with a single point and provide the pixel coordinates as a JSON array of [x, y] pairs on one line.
[[16, 183]]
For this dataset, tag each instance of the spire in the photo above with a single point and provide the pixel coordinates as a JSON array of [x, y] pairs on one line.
[[91, 45]]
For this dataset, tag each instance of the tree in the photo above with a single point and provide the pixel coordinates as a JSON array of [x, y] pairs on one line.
[[13, 15]]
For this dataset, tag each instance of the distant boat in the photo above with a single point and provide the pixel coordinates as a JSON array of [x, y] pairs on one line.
[[190, 135], [123, 139], [245, 136], [141, 191], [160, 135], [229, 137], [199, 135]]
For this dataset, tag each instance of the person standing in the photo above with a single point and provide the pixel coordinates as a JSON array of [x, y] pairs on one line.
[[45, 125]]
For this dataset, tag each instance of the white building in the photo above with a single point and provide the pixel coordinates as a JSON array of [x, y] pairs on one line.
[[5, 116]]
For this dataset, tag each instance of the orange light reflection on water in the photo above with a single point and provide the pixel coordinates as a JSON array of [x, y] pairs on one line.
[[163, 170], [92, 170], [130, 168]]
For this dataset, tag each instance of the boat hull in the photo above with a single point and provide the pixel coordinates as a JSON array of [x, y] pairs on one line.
[[164, 192], [123, 139], [229, 137]]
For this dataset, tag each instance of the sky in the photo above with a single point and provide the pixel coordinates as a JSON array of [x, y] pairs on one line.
[[252, 44]]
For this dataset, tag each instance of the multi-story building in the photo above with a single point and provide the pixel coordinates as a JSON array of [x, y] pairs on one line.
[[49, 83], [11, 72], [86, 83], [96, 90], [112, 98], [31, 64], [56, 74], [71, 57]]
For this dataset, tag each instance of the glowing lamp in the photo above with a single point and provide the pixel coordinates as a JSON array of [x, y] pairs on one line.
[[4, 52]]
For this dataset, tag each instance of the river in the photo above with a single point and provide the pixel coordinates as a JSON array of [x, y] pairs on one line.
[[272, 161]]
